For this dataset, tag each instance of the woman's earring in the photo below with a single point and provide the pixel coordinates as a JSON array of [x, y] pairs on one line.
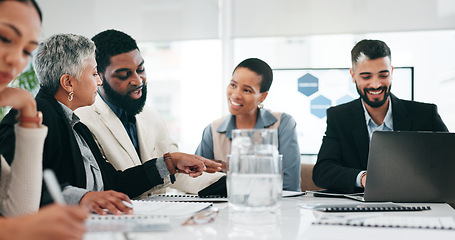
[[70, 96], [260, 105]]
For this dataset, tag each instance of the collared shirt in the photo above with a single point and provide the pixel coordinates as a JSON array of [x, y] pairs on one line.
[[287, 144], [265, 119], [94, 178], [128, 121], [387, 125]]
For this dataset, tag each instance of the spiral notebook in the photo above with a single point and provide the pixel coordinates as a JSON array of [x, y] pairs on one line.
[[446, 223], [368, 207], [209, 198], [127, 223], [148, 216], [167, 208], [186, 198]]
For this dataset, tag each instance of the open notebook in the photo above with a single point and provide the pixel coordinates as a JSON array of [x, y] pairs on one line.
[[185, 198], [378, 220], [196, 198], [167, 208], [148, 216], [127, 223]]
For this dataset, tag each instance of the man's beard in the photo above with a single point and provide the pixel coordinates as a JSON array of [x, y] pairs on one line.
[[130, 106], [374, 104]]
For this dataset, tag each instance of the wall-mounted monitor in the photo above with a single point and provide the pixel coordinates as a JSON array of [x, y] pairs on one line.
[[306, 93]]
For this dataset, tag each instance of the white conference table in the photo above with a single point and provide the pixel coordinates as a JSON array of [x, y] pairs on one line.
[[291, 221]]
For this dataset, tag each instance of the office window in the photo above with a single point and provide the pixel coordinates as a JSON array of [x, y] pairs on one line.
[[311, 91], [429, 52], [184, 85]]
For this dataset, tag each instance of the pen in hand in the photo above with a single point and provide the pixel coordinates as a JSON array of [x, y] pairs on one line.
[[53, 186], [129, 205]]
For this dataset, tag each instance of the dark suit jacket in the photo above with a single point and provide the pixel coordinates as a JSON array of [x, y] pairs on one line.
[[62, 153], [345, 146]]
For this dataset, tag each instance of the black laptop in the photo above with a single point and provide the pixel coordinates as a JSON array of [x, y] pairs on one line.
[[410, 167]]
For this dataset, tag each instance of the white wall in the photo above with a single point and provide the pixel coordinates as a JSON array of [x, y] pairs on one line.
[[145, 20], [313, 17], [156, 20]]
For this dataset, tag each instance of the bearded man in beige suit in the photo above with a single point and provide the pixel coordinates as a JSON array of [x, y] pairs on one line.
[[127, 131]]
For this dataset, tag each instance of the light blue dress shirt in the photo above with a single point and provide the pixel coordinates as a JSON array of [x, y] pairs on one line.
[[387, 125], [287, 144]]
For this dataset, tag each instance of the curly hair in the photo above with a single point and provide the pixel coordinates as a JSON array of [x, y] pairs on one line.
[[110, 43]]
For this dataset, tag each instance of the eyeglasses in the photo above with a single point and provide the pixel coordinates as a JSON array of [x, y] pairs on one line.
[[202, 217]]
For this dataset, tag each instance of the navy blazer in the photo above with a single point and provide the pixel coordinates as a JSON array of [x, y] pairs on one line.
[[344, 150], [62, 153]]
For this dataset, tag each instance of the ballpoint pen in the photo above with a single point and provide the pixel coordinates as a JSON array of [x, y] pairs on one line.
[[202, 217], [129, 205], [53, 186]]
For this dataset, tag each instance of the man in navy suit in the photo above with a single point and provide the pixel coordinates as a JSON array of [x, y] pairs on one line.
[[342, 160]]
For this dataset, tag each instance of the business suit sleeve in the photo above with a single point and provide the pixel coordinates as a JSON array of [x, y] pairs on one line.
[[330, 172], [187, 184], [132, 181], [289, 148], [438, 124]]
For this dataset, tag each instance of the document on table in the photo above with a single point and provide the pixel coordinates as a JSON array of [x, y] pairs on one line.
[[127, 223], [149, 216], [167, 208], [196, 198], [185, 198], [368, 207], [370, 220], [104, 236]]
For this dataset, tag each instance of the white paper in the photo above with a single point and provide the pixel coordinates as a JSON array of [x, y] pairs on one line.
[[163, 208]]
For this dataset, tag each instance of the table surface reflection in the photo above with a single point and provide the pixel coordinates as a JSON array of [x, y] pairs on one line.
[[291, 221]]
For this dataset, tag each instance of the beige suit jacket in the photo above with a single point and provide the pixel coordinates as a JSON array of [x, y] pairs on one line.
[[114, 142]]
